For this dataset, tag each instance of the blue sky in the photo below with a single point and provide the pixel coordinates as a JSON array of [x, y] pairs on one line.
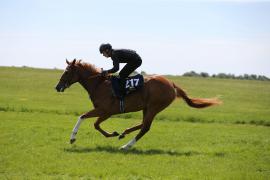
[[172, 37]]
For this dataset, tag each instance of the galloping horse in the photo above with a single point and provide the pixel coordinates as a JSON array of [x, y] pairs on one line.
[[156, 94]]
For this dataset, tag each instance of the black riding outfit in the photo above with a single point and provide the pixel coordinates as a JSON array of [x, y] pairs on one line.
[[132, 60]]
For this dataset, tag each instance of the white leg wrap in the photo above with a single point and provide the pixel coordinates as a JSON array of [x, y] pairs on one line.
[[76, 128], [129, 144]]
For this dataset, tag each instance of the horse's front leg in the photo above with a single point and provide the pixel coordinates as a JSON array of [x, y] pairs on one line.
[[105, 133], [92, 113]]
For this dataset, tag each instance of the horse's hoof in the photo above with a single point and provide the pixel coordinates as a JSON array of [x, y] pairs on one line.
[[121, 136], [72, 141], [115, 133]]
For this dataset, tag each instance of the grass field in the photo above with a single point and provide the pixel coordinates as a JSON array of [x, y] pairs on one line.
[[231, 141]]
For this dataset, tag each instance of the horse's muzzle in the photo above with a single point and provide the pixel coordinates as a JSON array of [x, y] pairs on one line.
[[60, 87]]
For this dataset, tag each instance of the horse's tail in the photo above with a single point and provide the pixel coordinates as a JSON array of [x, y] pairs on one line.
[[196, 102]]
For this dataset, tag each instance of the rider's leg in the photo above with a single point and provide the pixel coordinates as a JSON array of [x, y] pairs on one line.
[[124, 73]]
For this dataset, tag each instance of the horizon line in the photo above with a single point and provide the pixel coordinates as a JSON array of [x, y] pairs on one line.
[[210, 75]]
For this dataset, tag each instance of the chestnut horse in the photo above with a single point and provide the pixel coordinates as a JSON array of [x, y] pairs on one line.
[[156, 94]]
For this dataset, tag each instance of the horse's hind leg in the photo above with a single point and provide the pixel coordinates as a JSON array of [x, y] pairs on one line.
[[129, 130], [148, 118], [105, 133]]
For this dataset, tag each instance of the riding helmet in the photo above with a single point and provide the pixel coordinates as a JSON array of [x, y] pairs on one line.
[[104, 47]]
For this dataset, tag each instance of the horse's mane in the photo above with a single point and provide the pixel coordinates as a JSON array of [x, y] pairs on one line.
[[89, 67]]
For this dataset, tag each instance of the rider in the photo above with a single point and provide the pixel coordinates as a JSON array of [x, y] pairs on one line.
[[130, 57]]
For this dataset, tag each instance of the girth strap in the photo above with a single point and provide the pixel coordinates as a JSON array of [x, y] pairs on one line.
[[122, 105]]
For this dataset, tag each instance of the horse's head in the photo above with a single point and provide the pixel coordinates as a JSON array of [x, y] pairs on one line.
[[69, 77]]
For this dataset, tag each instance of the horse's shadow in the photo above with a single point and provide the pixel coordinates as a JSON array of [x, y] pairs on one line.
[[116, 150]]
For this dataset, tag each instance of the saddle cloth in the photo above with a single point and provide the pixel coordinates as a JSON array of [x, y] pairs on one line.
[[133, 83]]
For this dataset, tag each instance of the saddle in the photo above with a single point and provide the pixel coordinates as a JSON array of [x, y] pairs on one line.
[[133, 83]]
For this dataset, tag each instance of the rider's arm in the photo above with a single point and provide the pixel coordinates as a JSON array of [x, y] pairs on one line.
[[115, 67]]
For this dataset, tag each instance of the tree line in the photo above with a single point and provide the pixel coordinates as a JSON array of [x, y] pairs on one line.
[[227, 76], [222, 76]]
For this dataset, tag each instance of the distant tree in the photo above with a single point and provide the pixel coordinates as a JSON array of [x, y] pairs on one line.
[[222, 75], [246, 76], [191, 74], [263, 78], [204, 74], [143, 73], [134, 73], [240, 77], [253, 76], [231, 76]]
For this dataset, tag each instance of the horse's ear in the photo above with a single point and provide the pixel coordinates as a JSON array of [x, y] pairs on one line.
[[73, 62], [67, 62]]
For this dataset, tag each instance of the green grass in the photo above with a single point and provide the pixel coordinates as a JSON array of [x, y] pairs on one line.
[[230, 141]]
